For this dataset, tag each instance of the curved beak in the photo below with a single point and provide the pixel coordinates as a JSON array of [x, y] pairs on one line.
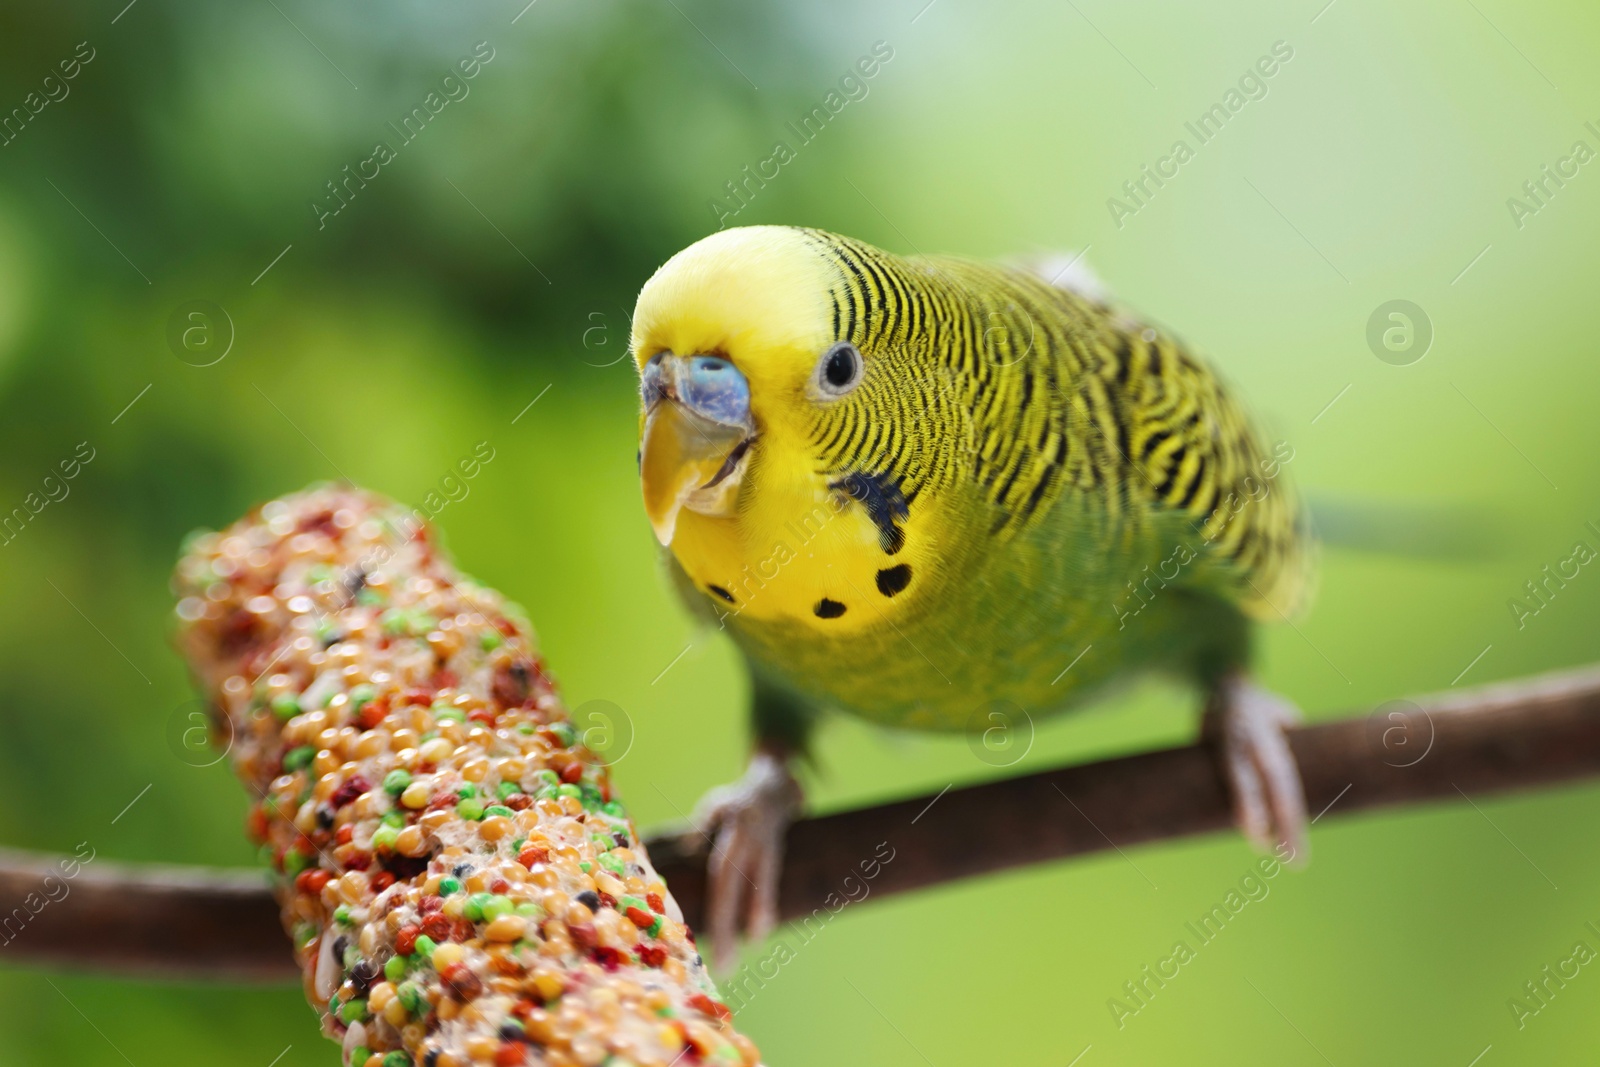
[[696, 430]]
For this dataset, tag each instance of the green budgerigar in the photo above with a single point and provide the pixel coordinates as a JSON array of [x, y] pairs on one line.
[[911, 487]]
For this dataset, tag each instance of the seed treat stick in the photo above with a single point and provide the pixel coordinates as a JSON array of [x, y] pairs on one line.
[[460, 883]]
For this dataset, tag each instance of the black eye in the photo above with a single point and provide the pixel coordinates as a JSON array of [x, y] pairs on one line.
[[840, 369]]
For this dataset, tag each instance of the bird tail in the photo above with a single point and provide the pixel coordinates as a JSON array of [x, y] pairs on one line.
[[1407, 529]]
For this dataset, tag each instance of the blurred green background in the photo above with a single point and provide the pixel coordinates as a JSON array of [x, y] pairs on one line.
[[494, 261]]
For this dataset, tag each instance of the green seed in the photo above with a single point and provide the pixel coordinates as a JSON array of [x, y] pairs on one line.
[[564, 732], [498, 809], [353, 1012], [395, 781], [396, 1059], [298, 758], [395, 968], [393, 622], [361, 696], [548, 777], [285, 705], [449, 885], [394, 819], [383, 838], [491, 641], [614, 809], [467, 790], [568, 791], [506, 790], [294, 862], [359, 1056], [470, 809], [473, 909], [341, 915], [425, 947], [495, 907], [452, 714], [411, 996]]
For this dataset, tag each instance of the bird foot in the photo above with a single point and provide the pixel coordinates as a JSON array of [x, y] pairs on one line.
[[746, 822], [1247, 724]]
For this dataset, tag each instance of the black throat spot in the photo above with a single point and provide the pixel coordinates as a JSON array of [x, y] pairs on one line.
[[886, 505]]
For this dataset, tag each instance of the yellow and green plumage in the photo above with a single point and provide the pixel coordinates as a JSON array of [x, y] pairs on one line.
[[1022, 473]]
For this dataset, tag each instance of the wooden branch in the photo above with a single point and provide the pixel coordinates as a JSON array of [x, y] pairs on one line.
[[191, 921]]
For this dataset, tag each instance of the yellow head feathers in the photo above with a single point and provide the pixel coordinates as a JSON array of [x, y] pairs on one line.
[[745, 362]]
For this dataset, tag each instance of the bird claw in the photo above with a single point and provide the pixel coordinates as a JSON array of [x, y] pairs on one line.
[[1247, 723], [746, 822]]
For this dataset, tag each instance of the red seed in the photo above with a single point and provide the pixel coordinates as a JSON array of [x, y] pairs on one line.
[[430, 904], [572, 772], [348, 790], [461, 982], [405, 942], [510, 1054], [705, 1004], [532, 854], [583, 934], [607, 899], [437, 926], [311, 881], [641, 918], [256, 824], [519, 802], [657, 905], [652, 955], [344, 835], [373, 712], [381, 881]]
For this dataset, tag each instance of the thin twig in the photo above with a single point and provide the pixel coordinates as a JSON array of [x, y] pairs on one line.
[[1534, 732]]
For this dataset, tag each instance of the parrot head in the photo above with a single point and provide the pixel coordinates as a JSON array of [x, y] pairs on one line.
[[756, 408]]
